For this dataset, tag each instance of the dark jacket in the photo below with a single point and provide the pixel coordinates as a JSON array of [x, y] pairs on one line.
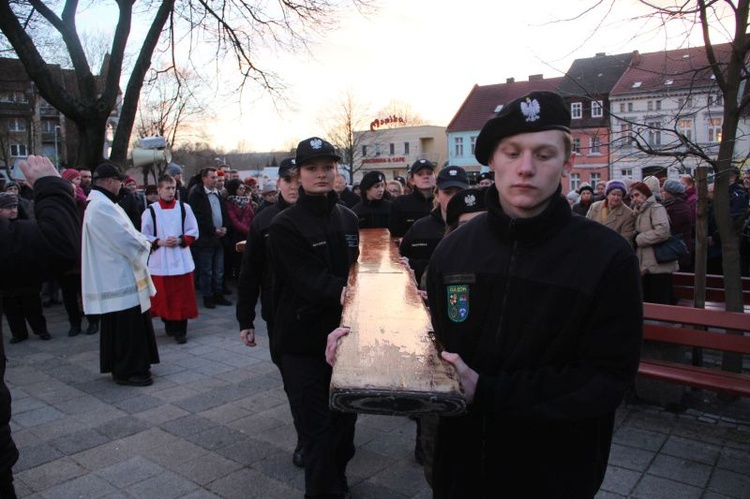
[[134, 206], [348, 198], [548, 311], [34, 251], [373, 214], [312, 245], [198, 201], [406, 210], [581, 209], [421, 240], [680, 225], [255, 274]]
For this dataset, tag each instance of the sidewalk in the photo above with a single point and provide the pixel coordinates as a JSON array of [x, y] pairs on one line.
[[216, 423]]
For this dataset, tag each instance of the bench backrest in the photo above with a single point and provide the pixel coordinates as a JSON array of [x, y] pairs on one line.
[[677, 334], [687, 279]]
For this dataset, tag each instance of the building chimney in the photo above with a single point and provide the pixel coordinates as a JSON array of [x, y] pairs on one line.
[[600, 54], [510, 80], [538, 77]]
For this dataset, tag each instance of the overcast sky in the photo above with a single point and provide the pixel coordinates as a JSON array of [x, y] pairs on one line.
[[427, 53]]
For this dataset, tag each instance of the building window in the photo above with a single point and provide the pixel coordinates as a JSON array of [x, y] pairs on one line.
[[575, 181], [595, 144], [473, 144], [576, 110], [406, 148], [577, 145], [48, 126], [16, 125], [597, 111], [650, 105], [364, 151], [685, 103], [685, 127], [626, 173], [658, 105], [377, 149], [595, 178], [391, 148], [626, 133], [630, 107], [715, 99], [654, 133], [622, 107], [18, 150], [458, 146], [14, 97], [714, 130]]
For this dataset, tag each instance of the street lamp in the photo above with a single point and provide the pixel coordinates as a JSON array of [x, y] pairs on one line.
[[57, 155]]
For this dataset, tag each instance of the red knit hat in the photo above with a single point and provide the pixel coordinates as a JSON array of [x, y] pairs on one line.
[[71, 174], [219, 173], [642, 188]]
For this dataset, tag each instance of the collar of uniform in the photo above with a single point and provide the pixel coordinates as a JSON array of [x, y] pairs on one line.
[[532, 229], [210, 191], [104, 191], [418, 194], [437, 215], [319, 205]]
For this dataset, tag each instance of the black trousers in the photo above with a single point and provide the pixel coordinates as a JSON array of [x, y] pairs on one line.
[[22, 308], [657, 288], [127, 344], [175, 328], [328, 436]]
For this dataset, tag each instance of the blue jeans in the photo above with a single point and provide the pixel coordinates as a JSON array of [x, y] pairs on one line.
[[209, 269]]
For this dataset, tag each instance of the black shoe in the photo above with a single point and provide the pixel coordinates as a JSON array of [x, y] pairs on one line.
[[208, 302], [74, 331], [45, 336], [220, 300], [180, 339], [135, 381], [15, 339], [93, 328]]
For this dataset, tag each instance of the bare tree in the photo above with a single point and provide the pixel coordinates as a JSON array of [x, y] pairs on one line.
[[169, 106], [347, 117], [404, 115], [231, 27]]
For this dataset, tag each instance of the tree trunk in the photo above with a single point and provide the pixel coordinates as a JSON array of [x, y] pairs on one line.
[[91, 143]]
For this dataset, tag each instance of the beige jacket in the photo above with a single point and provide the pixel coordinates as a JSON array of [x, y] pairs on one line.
[[620, 220], [652, 227]]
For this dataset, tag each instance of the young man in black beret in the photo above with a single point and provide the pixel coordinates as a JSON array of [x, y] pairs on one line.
[[312, 245], [540, 313], [409, 208]]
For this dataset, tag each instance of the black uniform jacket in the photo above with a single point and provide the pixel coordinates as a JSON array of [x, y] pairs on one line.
[[548, 311], [32, 252], [373, 214], [406, 210], [421, 240], [198, 201], [312, 245], [255, 274]]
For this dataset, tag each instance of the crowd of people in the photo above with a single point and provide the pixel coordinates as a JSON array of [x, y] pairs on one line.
[[535, 296]]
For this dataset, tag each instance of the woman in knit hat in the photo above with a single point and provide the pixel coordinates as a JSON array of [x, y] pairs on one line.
[[651, 228], [612, 211], [74, 177], [585, 199], [373, 211]]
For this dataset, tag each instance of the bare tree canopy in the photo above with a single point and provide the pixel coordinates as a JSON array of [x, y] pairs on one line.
[[233, 29], [347, 116]]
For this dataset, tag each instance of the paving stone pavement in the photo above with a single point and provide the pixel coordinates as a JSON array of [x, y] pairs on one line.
[[216, 423]]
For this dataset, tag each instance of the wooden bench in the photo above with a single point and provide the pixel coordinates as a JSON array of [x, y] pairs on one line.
[[675, 332], [683, 287]]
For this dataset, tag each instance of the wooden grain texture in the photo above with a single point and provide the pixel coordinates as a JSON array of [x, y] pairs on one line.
[[388, 363]]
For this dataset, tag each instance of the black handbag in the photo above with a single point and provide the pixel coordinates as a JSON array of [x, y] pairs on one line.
[[670, 250]]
